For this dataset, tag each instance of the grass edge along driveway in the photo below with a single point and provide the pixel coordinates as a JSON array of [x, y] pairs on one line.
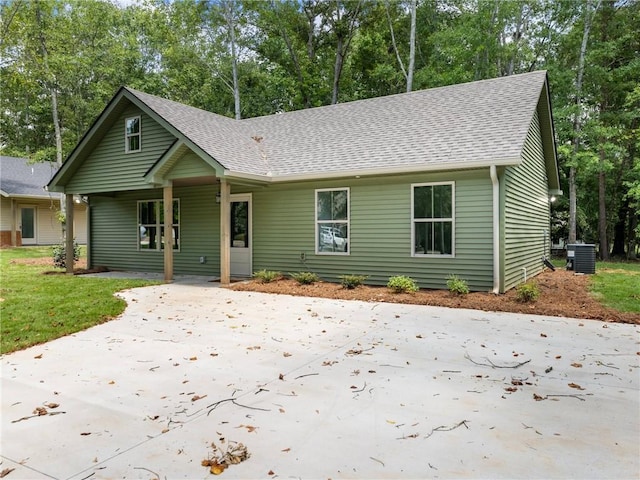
[[36, 308]]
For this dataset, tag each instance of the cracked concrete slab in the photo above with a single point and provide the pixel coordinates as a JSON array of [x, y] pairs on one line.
[[318, 388]]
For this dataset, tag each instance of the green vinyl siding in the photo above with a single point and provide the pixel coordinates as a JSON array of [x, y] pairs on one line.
[[284, 228], [114, 232], [380, 230], [109, 168], [190, 166], [526, 212]]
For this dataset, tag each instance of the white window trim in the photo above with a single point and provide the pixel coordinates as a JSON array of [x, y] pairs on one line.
[[347, 222], [127, 135], [158, 201], [452, 220]]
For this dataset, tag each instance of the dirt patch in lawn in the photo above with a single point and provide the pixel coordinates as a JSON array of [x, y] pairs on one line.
[[562, 293]]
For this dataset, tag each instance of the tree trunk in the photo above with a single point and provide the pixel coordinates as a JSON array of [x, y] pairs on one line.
[[572, 201], [337, 71], [577, 121], [631, 235], [229, 13], [412, 47], [619, 231], [344, 27], [602, 210], [50, 82]]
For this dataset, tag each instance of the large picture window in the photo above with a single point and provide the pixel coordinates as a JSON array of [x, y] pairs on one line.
[[432, 221], [332, 221], [132, 135], [151, 234]]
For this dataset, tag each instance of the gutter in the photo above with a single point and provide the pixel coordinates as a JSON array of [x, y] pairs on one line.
[[496, 228]]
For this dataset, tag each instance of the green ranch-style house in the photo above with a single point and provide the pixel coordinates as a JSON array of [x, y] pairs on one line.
[[449, 180]]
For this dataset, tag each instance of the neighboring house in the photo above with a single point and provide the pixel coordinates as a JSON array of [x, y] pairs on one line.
[[27, 210], [450, 180]]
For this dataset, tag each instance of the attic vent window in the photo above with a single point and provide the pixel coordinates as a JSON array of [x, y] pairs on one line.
[[132, 135]]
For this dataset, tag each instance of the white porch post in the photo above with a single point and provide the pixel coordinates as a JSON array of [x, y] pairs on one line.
[[168, 232], [68, 223], [225, 237]]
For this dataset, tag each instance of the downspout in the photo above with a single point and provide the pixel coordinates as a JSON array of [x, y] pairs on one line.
[[496, 228]]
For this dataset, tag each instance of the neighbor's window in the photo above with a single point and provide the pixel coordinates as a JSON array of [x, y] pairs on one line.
[[332, 221], [433, 219], [132, 134], [151, 225]]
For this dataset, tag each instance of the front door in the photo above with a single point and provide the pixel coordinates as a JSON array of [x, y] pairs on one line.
[[241, 235], [28, 225]]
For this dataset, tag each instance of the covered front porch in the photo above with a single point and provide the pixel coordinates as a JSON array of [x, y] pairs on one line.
[[214, 216]]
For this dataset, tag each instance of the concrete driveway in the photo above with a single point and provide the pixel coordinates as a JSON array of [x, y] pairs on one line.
[[317, 388]]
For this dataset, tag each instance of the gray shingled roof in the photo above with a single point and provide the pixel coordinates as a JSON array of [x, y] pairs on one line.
[[471, 123], [18, 177], [223, 138]]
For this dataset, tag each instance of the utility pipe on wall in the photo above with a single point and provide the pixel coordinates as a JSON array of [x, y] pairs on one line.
[[496, 228]]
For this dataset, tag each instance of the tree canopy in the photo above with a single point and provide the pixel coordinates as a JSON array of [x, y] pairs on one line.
[[62, 60]]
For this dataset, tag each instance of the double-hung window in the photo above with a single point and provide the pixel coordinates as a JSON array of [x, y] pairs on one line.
[[332, 221], [132, 135], [432, 219], [151, 234]]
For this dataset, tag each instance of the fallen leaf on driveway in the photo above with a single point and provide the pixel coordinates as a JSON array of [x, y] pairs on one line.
[[577, 365], [537, 397], [40, 411], [195, 398], [576, 386], [250, 428], [38, 356], [286, 450], [6, 472], [286, 354]]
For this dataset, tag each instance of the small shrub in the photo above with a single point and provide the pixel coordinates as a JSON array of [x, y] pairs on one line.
[[402, 284], [351, 281], [457, 285], [527, 292], [60, 254], [305, 278], [266, 276]]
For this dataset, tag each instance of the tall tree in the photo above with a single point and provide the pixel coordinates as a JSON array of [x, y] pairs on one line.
[[590, 10]]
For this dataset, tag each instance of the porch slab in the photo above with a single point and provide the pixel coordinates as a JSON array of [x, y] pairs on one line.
[[318, 388]]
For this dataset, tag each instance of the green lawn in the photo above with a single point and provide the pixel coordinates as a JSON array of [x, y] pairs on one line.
[[615, 284], [36, 308]]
